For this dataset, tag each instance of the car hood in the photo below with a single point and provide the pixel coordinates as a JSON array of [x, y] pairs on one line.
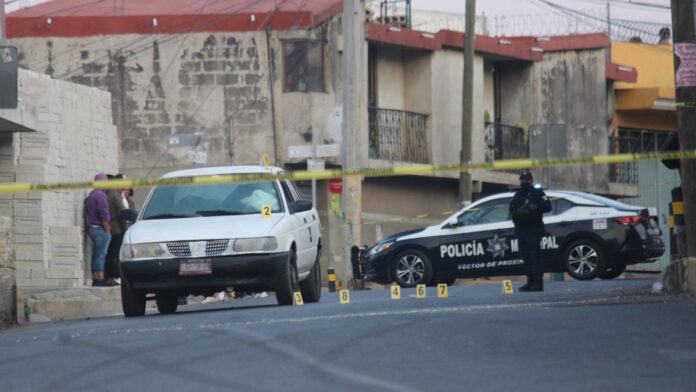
[[202, 228], [396, 236]]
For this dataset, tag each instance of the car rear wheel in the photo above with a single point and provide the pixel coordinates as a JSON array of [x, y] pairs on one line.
[[411, 268], [613, 271], [132, 301], [166, 304], [311, 287], [287, 281], [584, 259]]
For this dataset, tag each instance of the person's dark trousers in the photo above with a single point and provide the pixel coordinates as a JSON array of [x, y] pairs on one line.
[[530, 248], [111, 261]]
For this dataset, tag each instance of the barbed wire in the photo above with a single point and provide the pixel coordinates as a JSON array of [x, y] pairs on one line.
[[566, 22]]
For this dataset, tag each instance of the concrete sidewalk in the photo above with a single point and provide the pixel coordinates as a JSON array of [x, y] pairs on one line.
[[72, 303]]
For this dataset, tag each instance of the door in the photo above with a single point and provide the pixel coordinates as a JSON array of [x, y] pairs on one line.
[[307, 234]]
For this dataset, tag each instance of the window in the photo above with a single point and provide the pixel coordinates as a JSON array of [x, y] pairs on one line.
[[303, 66], [558, 206], [488, 212]]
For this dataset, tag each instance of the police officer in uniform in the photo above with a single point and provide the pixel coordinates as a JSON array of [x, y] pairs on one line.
[[527, 209]]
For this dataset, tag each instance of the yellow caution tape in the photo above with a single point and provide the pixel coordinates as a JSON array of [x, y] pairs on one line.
[[329, 174]]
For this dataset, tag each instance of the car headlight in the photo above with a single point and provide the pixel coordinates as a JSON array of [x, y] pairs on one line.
[[141, 251], [378, 248], [255, 244]]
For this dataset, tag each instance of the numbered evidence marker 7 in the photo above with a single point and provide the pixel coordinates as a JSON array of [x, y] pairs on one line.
[[298, 298], [395, 292], [442, 290], [266, 211], [345, 296], [420, 291], [507, 287]]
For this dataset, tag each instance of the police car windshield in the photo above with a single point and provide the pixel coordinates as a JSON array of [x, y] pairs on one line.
[[606, 201], [240, 198]]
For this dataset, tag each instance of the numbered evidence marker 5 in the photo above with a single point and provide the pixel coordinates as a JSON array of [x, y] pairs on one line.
[[420, 291], [442, 290], [507, 287], [395, 292], [298, 298], [344, 296], [266, 211]]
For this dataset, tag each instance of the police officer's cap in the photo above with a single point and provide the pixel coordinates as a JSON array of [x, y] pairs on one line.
[[526, 176]]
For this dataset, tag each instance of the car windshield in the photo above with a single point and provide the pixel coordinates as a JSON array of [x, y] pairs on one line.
[[178, 201], [606, 201]]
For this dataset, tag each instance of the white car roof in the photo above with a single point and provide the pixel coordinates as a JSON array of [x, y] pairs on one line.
[[222, 170]]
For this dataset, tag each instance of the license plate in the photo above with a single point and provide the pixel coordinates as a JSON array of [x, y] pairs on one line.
[[195, 267]]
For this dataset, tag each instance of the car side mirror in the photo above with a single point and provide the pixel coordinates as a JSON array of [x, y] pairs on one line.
[[300, 206], [451, 223]]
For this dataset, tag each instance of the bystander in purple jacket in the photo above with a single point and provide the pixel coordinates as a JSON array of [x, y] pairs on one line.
[[99, 230]]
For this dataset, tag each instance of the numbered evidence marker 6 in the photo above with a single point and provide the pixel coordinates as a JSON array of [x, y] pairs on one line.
[[420, 291], [298, 298], [345, 296], [507, 287], [395, 292], [266, 211], [442, 290]]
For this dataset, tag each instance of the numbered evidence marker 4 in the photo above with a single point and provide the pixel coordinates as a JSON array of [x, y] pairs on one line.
[[507, 287], [442, 290], [298, 298], [395, 292], [345, 296], [420, 291]]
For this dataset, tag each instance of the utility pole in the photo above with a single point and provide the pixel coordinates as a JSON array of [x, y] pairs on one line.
[[3, 32], [467, 101], [351, 207], [685, 83]]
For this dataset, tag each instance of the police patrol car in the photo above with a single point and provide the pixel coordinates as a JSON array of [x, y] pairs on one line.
[[202, 239], [587, 236]]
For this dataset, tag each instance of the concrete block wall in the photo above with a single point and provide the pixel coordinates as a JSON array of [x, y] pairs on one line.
[[75, 138]]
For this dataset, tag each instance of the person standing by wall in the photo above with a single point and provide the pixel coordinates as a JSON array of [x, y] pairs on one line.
[[118, 227], [99, 220], [527, 210]]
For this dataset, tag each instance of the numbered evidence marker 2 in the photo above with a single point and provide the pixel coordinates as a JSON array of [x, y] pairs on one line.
[[507, 287], [345, 296], [298, 298], [266, 211], [395, 292], [420, 291], [442, 290]]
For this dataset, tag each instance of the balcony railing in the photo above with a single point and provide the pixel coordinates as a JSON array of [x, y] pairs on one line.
[[623, 172], [505, 142], [398, 135]]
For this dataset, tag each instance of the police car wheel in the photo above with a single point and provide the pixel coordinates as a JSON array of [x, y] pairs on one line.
[[166, 304], [613, 271], [411, 268], [287, 281], [584, 259]]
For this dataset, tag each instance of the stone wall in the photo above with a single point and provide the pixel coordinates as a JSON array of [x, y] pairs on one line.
[[74, 139]]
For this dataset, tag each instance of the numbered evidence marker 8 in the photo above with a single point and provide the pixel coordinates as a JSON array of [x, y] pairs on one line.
[[420, 291], [442, 290], [507, 287], [266, 211], [345, 296], [395, 292], [298, 298]]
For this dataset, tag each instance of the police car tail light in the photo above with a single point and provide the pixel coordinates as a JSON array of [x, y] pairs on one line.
[[630, 220]]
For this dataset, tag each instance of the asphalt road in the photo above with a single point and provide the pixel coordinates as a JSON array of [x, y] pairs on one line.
[[575, 336]]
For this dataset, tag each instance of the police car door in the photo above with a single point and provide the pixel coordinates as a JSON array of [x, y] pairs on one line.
[[558, 223], [482, 243]]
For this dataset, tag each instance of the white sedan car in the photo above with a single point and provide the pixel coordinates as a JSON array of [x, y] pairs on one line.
[[202, 239]]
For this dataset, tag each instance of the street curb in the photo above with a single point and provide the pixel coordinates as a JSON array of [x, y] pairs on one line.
[[79, 302]]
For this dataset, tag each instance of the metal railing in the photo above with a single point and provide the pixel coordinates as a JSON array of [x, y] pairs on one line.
[[505, 142], [624, 172], [398, 135]]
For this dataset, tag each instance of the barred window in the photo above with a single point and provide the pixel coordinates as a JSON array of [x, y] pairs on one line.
[[304, 66]]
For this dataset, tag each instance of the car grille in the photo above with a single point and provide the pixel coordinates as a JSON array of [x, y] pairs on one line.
[[212, 248]]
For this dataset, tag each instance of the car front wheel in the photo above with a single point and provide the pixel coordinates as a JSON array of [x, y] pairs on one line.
[[166, 304], [411, 268], [584, 259], [311, 287], [132, 301], [287, 281]]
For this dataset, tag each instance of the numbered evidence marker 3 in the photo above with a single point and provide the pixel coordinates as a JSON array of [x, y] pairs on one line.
[[266, 211], [442, 290], [420, 291], [345, 296], [298, 298], [395, 292], [507, 287]]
